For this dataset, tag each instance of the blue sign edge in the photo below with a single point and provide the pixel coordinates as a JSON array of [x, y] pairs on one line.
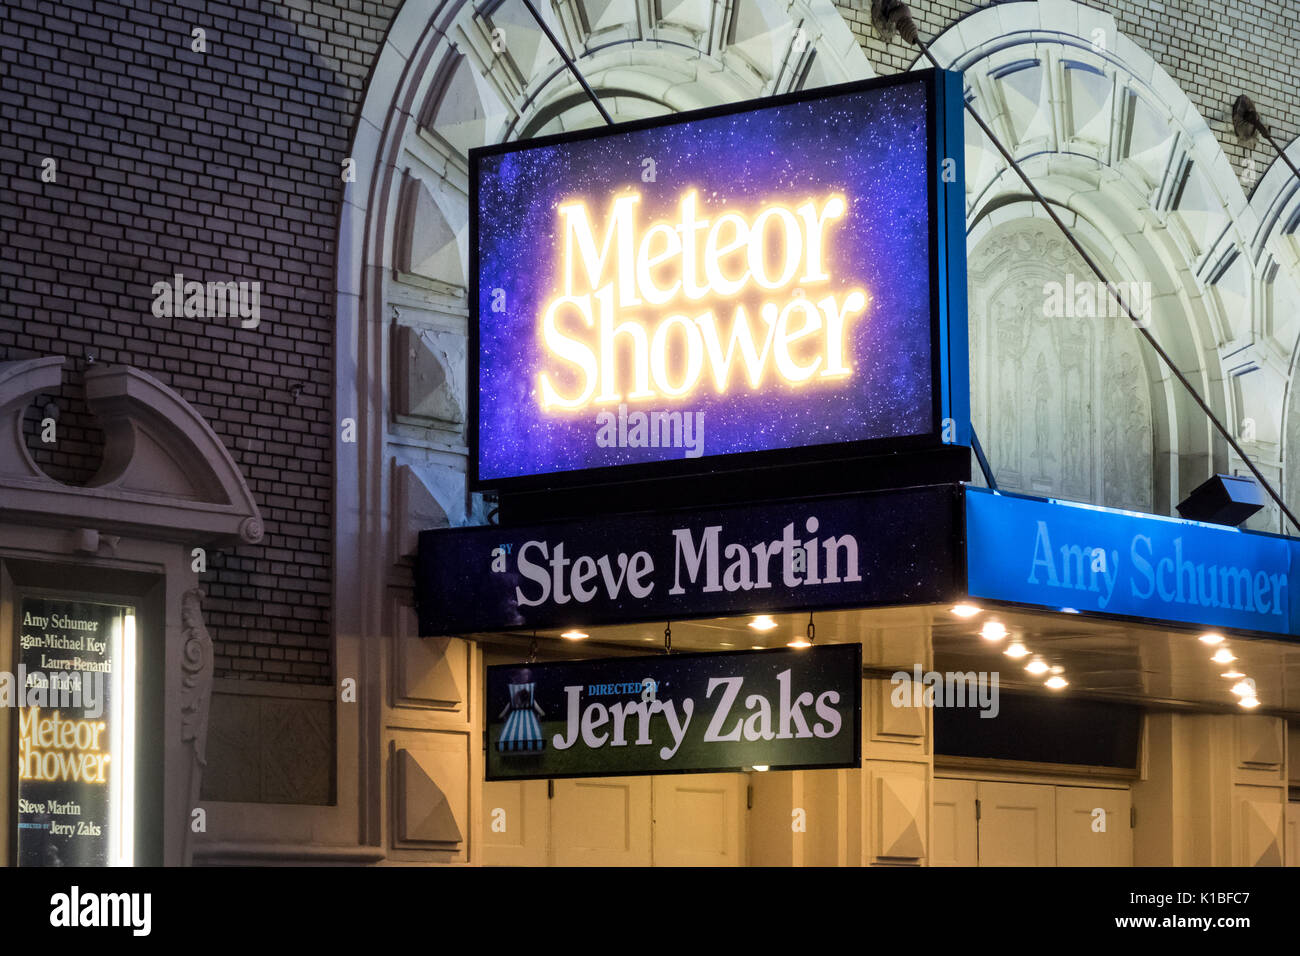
[[1174, 623]]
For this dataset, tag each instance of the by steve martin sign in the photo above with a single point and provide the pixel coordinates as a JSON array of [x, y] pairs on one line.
[[852, 551], [755, 280], [1062, 554], [677, 713]]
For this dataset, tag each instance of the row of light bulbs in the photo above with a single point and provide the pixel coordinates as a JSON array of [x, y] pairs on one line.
[[764, 622], [1244, 687], [761, 622], [997, 631]]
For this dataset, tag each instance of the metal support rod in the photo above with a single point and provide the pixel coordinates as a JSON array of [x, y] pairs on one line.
[[1114, 291], [573, 67], [984, 462], [1278, 149]]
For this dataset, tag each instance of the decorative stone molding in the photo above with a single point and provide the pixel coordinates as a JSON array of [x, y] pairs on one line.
[[163, 469], [449, 77], [426, 815], [196, 685], [1133, 168], [166, 485], [1059, 401], [429, 369]]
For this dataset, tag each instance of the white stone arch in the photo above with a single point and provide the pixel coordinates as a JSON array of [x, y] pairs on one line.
[[1132, 167], [451, 76], [1275, 250]]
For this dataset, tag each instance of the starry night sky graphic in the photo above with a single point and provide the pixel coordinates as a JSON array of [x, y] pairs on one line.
[[868, 146]]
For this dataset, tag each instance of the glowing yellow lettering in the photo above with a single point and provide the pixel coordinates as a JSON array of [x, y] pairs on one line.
[[815, 224], [577, 229], [647, 260], [614, 344], [740, 336], [759, 251], [791, 370], [56, 748], [571, 350], [714, 253], [854, 303], [694, 356]]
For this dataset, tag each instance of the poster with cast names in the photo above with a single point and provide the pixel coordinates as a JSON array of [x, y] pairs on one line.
[[66, 680]]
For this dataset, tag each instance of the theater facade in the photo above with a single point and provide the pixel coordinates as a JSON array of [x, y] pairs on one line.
[[759, 478]]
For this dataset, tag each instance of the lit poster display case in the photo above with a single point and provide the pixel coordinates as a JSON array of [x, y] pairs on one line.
[[74, 692]]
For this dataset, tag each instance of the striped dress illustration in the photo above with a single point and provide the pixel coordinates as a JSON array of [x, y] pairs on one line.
[[522, 731]]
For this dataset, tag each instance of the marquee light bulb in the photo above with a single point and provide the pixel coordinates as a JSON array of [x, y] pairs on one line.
[[993, 631], [761, 768], [574, 635], [1223, 656], [1037, 667], [1017, 650], [800, 643], [1232, 674], [762, 622], [965, 610], [1056, 683], [1249, 702], [1211, 638], [1244, 688]]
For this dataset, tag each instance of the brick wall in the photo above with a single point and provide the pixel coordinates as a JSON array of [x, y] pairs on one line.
[[221, 165], [1213, 49]]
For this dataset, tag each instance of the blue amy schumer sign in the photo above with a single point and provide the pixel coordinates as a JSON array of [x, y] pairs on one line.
[[676, 713], [894, 547], [1061, 554]]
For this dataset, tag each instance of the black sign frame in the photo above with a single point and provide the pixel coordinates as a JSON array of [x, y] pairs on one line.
[[949, 361], [853, 648], [919, 528]]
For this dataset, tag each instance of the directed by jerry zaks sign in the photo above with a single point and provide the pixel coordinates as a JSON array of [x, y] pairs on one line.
[[781, 280], [676, 713], [888, 547], [1066, 555]]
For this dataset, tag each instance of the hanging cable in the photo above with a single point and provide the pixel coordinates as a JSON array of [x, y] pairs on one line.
[[573, 67], [893, 16]]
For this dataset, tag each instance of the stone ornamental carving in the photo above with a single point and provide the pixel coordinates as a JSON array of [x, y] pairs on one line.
[[1063, 400], [196, 685]]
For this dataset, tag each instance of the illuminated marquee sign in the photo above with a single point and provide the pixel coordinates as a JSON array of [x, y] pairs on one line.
[[752, 344], [1065, 554], [73, 689], [771, 282], [676, 713]]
